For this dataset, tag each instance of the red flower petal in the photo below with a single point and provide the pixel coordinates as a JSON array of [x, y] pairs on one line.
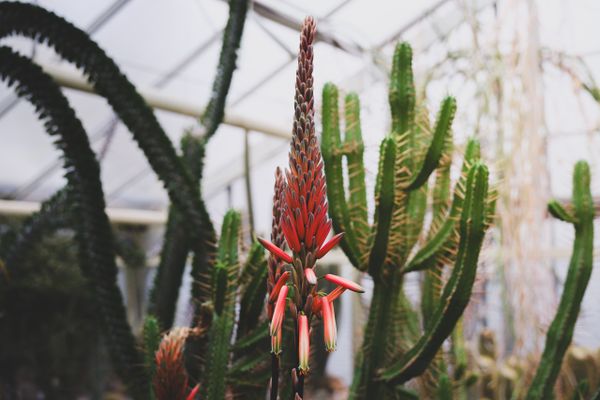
[[335, 293], [345, 283], [280, 282], [276, 251], [330, 245], [279, 312], [193, 393]]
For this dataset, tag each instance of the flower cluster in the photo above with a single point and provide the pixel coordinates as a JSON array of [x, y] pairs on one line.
[[300, 215], [170, 381]]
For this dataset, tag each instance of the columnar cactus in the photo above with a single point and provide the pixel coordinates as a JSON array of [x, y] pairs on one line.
[[394, 350], [560, 333]]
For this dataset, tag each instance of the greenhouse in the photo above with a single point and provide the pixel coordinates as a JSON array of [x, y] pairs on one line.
[[272, 199]]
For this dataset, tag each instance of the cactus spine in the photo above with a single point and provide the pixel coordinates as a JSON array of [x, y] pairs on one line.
[[408, 156], [560, 332]]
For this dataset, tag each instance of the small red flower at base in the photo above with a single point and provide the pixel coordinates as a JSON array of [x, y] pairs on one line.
[[345, 283], [276, 251], [303, 344]]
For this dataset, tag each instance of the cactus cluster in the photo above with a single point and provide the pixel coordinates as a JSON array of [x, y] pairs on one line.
[[395, 349], [244, 308]]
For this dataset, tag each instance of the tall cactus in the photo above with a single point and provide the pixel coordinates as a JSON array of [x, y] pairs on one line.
[[393, 349], [93, 229], [561, 330]]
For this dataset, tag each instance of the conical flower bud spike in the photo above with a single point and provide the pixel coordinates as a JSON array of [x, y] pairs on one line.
[[276, 251], [193, 393], [311, 278], [335, 293], [345, 283], [329, 325], [303, 344], [330, 245], [279, 312], [280, 283]]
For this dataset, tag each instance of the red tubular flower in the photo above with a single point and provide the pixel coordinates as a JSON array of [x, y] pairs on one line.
[[279, 312], [303, 344], [330, 245], [193, 393], [276, 251], [335, 293], [329, 325], [280, 283], [345, 283]]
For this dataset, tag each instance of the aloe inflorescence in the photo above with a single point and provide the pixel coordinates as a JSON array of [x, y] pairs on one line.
[[301, 215]]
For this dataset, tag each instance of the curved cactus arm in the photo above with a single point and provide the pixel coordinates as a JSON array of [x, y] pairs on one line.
[[75, 46], [561, 330], [443, 128], [354, 150], [332, 158], [225, 278], [93, 229], [384, 195], [232, 36], [426, 256], [561, 213], [457, 291]]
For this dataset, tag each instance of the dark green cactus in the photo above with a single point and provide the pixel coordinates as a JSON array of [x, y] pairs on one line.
[[93, 228], [394, 350], [152, 338], [75, 46], [225, 276], [560, 332], [178, 241]]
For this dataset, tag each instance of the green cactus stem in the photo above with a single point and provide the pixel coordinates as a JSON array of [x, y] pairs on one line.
[[457, 291], [225, 276], [560, 332]]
